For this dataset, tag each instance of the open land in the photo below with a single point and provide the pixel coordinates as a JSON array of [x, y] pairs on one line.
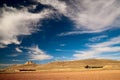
[[91, 69], [62, 75]]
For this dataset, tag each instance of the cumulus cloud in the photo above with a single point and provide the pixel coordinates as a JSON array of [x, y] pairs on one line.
[[109, 46], [14, 22], [90, 15], [35, 53]]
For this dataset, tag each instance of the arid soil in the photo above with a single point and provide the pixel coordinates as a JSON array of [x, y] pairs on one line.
[[81, 75]]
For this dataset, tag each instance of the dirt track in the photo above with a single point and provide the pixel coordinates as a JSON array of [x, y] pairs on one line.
[[84, 75]]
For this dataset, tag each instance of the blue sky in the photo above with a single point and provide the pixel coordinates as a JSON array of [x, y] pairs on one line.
[[53, 30]]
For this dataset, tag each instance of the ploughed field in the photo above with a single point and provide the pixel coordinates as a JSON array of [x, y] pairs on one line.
[[57, 75]]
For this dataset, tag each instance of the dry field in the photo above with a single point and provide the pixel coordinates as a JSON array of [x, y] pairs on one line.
[[82, 75]]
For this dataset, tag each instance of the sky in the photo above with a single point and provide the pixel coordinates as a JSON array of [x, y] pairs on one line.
[[43, 31]]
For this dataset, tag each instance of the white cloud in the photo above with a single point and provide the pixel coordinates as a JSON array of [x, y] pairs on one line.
[[62, 58], [2, 46], [77, 32], [113, 41], [58, 5], [94, 14], [62, 50], [13, 55], [37, 54], [18, 50], [90, 15], [16, 60], [98, 38], [116, 57], [59, 50], [14, 23], [100, 48]]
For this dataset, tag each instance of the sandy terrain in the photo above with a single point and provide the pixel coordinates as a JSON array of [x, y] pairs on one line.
[[83, 75]]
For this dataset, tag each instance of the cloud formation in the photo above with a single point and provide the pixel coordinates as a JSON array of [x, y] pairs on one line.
[[109, 46], [88, 15], [60, 6], [78, 32], [14, 22], [37, 54], [94, 14]]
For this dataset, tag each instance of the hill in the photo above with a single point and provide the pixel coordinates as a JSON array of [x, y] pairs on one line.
[[80, 64], [88, 64]]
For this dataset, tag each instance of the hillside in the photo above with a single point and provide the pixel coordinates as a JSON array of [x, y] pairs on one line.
[[92, 64], [80, 64]]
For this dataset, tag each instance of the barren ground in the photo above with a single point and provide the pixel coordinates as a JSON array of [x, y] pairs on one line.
[[82, 75]]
